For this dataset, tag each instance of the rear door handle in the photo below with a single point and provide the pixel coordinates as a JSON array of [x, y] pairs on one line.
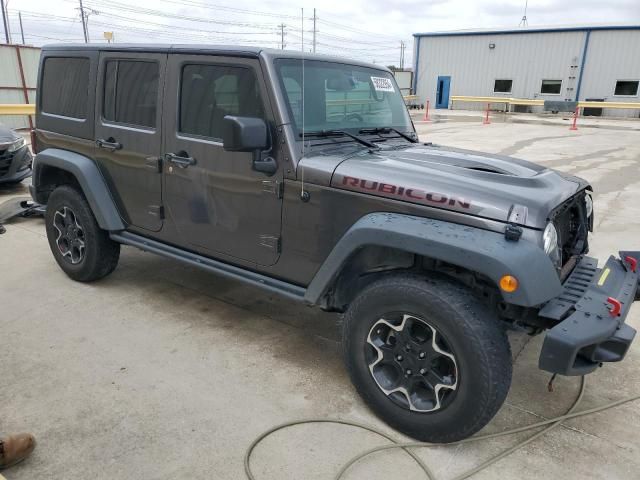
[[109, 144], [180, 159]]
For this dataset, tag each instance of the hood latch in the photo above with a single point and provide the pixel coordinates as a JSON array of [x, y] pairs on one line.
[[512, 232]]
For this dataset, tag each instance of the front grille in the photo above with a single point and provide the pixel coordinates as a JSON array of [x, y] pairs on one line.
[[5, 161], [570, 220]]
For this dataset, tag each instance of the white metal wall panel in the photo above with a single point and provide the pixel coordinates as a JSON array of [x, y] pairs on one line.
[[612, 55], [526, 59], [10, 77]]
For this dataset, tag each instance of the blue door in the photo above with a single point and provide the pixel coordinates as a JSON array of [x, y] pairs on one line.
[[442, 92]]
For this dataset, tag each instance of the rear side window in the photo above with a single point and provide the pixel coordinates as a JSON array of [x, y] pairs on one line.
[[130, 92], [209, 92], [65, 84]]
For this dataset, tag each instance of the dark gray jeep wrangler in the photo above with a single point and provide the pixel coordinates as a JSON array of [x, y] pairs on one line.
[[305, 177]]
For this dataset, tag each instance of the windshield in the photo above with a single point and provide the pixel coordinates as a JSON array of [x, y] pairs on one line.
[[341, 97]]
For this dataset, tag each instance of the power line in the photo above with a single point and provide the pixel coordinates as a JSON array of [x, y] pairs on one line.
[[98, 4], [128, 29], [230, 9], [237, 27], [354, 29]]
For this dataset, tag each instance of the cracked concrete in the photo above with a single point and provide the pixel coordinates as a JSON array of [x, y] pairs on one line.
[[162, 371]]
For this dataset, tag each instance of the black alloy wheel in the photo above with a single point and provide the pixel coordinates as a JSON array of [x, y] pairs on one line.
[[411, 362], [70, 235]]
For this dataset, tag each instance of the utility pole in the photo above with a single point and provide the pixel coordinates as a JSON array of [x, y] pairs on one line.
[[402, 46], [21, 29], [302, 30], [314, 30], [84, 23], [524, 22], [282, 25], [4, 22]]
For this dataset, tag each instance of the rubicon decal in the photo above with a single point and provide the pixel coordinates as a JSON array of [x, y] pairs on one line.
[[405, 193]]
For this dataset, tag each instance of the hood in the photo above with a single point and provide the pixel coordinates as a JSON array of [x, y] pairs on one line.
[[7, 135], [490, 186]]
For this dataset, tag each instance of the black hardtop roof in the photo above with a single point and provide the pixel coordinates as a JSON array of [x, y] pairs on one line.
[[196, 49]]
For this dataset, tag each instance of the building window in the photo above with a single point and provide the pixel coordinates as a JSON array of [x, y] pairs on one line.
[[551, 87], [502, 86], [65, 86], [130, 92], [210, 92], [626, 88]]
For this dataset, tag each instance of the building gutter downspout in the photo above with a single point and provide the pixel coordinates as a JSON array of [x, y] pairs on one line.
[[582, 64], [415, 68]]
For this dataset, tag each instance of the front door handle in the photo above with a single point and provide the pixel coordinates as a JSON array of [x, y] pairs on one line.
[[180, 159], [109, 144]]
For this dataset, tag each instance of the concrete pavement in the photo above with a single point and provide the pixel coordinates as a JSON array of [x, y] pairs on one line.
[[161, 371]]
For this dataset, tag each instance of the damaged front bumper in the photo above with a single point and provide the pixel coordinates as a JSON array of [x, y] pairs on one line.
[[19, 207], [591, 312]]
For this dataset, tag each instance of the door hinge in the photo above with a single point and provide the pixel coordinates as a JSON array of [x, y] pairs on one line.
[[273, 186], [271, 242], [156, 211], [154, 163]]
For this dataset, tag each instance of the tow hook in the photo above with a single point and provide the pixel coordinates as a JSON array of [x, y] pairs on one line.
[[616, 306], [633, 263]]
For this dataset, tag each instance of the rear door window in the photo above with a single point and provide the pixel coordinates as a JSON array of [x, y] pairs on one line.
[[210, 92], [65, 83], [131, 92]]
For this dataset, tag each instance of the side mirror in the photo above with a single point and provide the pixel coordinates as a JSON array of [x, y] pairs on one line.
[[244, 134]]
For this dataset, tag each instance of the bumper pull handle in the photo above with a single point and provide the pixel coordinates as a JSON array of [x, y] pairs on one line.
[[616, 307], [633, 263]]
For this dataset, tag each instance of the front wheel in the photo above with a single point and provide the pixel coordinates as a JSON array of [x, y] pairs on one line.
[[427, 356]]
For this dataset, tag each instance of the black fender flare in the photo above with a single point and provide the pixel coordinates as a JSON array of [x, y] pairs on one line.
[[88, 175], [478, 250]]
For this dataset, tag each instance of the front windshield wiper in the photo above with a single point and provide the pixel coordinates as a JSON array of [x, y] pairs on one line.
[[389, 130], [340, 133]]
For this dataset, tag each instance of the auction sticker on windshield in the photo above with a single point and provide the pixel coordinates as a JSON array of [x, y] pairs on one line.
[[381, 84]]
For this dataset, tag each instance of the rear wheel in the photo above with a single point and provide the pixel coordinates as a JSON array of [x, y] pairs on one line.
[[427, 356], [83, 250]]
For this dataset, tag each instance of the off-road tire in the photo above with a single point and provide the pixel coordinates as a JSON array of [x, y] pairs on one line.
[[101, 254], [474, 337]]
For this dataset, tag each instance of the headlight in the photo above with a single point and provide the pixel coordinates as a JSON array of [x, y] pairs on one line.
[[550, 238], [17, 145], [588, 204]]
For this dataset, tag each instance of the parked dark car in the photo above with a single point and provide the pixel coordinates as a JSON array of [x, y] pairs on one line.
[[15, 157], [305, 177]]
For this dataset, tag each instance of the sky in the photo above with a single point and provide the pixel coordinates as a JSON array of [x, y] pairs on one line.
[[370, 30]]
